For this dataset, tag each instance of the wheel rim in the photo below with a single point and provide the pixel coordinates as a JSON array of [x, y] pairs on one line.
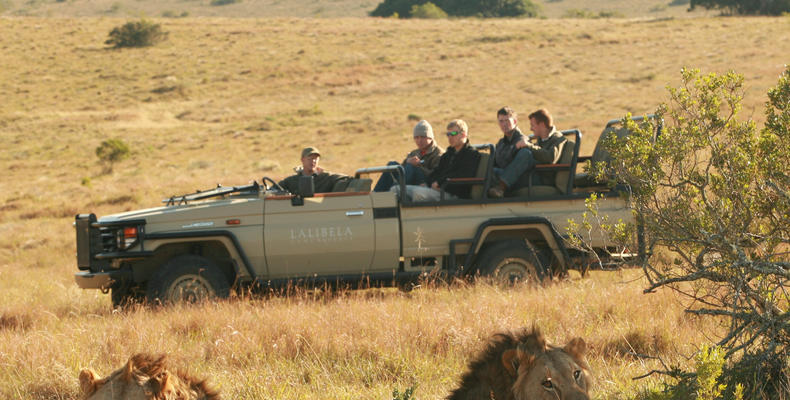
[[190, 289], [515, 270]]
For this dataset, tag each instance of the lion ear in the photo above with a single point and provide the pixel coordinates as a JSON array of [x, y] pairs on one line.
[[88, 381], [163, 385], [510, 361], [576, 348]]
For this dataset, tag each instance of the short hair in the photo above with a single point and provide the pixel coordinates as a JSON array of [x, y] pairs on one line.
[[507, 111], [543, 116], [458, 124]]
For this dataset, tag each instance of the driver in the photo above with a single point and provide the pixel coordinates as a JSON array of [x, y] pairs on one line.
[[323, 181]]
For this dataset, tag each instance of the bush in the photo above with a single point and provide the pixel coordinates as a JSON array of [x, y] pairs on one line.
[[111, 151], [462, 8], [224, 2], [715, 190], [427, 11], [747, 7], [136, 34]]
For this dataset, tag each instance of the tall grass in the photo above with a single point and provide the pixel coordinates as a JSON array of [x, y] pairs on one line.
[[358, 344]]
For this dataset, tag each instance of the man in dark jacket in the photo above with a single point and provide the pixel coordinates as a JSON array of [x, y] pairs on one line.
[[323, 181], [516, 157], [419, 163], [459, 161]]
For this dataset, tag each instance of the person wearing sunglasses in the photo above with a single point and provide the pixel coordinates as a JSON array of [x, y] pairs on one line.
[[459, 161], [515, 154]]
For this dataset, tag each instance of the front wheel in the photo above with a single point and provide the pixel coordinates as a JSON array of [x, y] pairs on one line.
[[512, 261], [187, 279]]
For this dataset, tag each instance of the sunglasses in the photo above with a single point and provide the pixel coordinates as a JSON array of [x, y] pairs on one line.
[[453, 133]]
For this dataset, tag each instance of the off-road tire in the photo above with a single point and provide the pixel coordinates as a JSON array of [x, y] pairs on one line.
[[187, 279], [512, 261]]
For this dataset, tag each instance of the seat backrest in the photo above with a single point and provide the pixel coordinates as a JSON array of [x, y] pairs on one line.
[[569, 151], [359, 185], [482, 167], [341, 185]]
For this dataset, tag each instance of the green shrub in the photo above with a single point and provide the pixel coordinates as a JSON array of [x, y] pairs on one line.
[[462, 8], [746, 7], [223, 2], [427, 11], [141, 33], [111, 151], [586, 14]]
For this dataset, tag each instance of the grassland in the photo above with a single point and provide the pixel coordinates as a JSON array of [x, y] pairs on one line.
[[310, 8], [230, 100]]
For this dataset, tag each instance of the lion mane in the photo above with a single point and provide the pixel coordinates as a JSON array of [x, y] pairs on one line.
[[147, 377], [523, 366]]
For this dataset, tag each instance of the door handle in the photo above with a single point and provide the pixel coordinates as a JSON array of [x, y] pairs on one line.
[[354, 213]]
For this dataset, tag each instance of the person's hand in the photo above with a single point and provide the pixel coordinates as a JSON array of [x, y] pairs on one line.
[[435, 186], [414, 161], [522, 143], [318, 170]]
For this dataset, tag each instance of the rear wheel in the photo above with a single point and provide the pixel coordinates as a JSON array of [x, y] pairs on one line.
[[512, 261], [187, 279]]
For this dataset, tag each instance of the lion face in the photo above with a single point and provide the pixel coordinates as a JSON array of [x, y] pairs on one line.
[[144, 377], [549, 372]]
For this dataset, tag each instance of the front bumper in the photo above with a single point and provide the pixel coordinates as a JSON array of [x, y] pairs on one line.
[[98, 280]]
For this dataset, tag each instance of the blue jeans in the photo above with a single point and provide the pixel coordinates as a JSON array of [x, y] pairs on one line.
[[516, 174], [414, 176], [423, 193]]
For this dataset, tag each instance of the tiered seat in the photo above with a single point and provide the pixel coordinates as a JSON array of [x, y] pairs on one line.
[[561, 175]]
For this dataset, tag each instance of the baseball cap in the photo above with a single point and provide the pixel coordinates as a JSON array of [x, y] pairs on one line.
[[310, 150]]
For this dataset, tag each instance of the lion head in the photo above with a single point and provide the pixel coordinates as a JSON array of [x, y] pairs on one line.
[[523, 366], [542, 371], [144, 377]]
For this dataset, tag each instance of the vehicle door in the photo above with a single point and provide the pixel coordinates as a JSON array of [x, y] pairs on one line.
[[330, 234]]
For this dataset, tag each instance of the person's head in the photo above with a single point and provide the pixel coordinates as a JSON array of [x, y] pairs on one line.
[[540, 123], [310, 156], [457, 133], [508, 119], [423, 135]]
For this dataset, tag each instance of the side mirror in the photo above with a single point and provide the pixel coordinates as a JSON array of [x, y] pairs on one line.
[[306, 186]]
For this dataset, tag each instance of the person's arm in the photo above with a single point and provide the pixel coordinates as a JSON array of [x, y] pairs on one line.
[[551, 153]]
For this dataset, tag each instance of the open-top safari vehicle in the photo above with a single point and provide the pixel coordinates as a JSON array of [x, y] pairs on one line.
[[204, 244]]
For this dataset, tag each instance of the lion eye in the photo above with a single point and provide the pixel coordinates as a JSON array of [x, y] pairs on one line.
[[547, 384], [577, 374]]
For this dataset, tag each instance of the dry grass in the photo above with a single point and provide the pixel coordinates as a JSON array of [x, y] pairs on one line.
[[348, 345], [309, 9], [231, 100]]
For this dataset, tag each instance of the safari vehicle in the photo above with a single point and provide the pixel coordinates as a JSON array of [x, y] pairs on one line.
[[203, 244]]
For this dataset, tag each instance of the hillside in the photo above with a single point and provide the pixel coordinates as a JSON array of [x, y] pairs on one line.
[[230, 100], [308, 8]]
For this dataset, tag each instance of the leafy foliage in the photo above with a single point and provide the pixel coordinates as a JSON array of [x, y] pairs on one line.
[[111, 151], [716, 192], [223, 2], [462, 8], [750, 7], [141, 33], [427, 11]]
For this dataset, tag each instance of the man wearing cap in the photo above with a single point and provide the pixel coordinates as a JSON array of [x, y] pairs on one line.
[[459, 161], [419, 163], [323, 181]]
